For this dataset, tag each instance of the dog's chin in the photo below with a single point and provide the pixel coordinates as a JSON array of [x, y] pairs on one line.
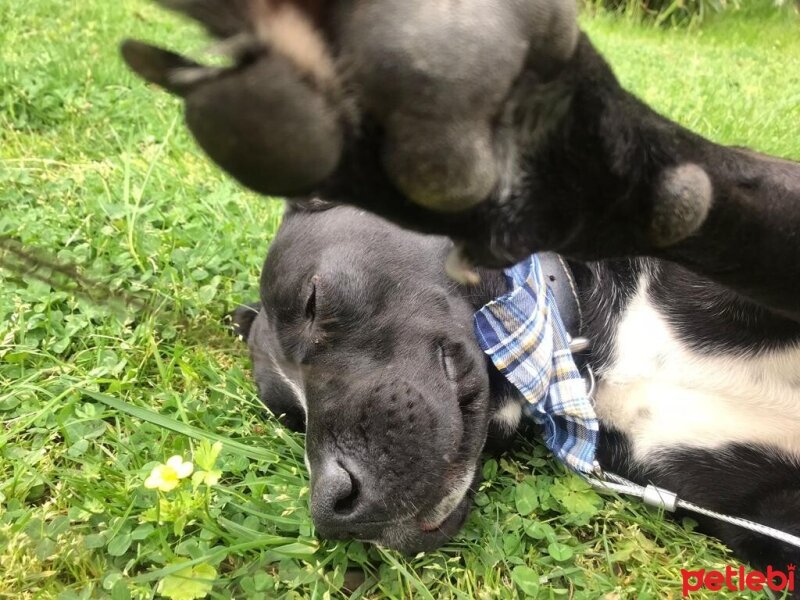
[[430, 530]]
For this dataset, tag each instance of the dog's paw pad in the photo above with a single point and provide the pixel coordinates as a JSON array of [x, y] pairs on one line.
[[274, 119], [437, 79], [448, 167], [267, 127], [683, 199]]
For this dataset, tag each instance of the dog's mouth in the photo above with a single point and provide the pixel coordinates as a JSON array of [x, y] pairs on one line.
[[433, 528], [443, 513], [424, 532]]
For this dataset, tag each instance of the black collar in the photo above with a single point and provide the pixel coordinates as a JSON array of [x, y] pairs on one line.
[[561, 282]]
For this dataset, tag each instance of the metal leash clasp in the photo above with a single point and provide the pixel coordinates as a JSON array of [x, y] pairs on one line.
[[579, 344], [660, 498], [576, 346]]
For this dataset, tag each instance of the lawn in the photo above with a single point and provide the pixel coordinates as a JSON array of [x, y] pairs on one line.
[[97, 170]]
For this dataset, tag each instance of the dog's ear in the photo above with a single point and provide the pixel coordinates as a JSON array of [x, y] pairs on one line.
[[274, 389], [241, 319], [283, 405]]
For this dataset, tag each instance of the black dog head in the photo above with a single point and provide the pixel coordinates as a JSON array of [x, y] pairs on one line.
[[361, 338]]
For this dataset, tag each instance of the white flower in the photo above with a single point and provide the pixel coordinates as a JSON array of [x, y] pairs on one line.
[[168, 476]]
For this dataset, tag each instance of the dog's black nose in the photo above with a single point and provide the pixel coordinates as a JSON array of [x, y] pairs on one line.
[[338, 501]]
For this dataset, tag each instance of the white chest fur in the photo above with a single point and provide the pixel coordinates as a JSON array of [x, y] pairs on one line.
[[662, 394]]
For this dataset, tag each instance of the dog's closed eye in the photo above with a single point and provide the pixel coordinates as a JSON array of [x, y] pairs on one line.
[[311, 301], [447, 362]]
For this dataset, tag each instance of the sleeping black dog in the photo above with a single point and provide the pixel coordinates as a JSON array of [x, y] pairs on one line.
[[497, 125], [363, 340]]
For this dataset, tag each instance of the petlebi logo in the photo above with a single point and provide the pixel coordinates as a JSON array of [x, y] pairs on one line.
[[739, 580]]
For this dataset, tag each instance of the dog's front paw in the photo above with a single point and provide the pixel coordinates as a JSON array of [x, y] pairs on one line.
[[436, 79], [274, 118]]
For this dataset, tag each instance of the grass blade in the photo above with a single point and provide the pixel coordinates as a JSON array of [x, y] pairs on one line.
[[144, 414]]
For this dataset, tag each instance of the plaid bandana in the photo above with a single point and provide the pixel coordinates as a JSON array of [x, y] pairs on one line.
[[523, 334]]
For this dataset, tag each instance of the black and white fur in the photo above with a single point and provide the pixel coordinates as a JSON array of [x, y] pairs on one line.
[[698, 392]]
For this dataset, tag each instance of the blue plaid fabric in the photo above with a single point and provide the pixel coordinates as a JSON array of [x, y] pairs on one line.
[[525, 338]]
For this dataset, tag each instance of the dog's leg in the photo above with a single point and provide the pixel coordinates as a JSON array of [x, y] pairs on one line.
[[580, 166], [604, 176], [728, 214], [614, 178]]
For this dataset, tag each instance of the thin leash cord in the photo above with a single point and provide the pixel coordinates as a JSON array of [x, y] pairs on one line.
[[669, 501]]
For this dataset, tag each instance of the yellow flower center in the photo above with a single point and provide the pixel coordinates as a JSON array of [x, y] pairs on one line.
[[167, 477]]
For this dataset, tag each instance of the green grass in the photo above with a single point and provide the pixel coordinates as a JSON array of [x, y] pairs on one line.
[[97, 170]]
